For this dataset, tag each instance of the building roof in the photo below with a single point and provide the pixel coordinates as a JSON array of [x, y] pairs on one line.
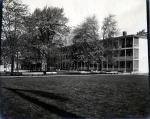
[[132, 35]]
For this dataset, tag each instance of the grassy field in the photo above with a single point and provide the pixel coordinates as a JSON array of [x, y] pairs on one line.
[[92, 96]]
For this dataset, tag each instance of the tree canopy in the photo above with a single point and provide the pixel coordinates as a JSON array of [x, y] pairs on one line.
[[12, 28], [48, 30], [109, 27], [88, 31], [86, 41], [41, 34]]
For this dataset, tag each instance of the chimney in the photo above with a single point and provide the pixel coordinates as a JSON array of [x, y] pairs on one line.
[[124, 33]]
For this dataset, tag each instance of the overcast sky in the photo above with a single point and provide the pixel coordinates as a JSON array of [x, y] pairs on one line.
[[130, 14]]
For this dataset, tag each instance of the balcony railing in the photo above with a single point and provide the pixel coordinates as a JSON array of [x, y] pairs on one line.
[[124, 58]]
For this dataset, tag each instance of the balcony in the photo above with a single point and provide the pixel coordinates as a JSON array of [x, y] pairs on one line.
[[123, 58], [129, 57]]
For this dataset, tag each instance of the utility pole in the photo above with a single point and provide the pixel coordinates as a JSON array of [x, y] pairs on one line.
[[148, 34]]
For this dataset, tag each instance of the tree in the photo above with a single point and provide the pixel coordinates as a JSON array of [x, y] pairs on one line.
[[86, 44], [1, 6], [109, 27], [87, 31], [109, 30], [13, 14], [142, 33], [48, 31]]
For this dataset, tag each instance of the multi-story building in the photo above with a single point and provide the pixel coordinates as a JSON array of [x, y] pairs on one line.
[[130, 54]]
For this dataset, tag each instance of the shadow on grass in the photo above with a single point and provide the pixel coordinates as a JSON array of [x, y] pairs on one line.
[[46, 106], [42, 93]]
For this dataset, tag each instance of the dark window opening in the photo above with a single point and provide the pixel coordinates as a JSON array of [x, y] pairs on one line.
[[110, 65], [122, 64], [104, 64], [115, 44], [115, 53], [129, 64], [122, 53], [129, 52], [129, 42], [122, 43], [116, 64]]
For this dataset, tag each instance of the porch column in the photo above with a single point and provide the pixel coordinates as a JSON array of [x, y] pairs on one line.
[[93, 65], [97, 66], [107, 63], [89, 66], [81, 66], [74, 66]]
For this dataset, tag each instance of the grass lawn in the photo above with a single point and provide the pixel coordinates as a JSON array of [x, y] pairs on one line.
[[91, 96]]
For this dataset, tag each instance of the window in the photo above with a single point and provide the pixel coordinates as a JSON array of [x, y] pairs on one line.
[[116, 64], [122, 53], [129, 52], [129, 64], [109, 65], [115, 53], [104, 64], [122, 64], [115, 43], [129, 42], [122, 43]]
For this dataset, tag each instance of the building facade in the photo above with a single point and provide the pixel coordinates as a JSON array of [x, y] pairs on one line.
[[130, 54]]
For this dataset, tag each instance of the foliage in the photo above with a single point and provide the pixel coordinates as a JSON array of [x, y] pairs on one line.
[[48, 31], [86, 44], [109, 30], [87, 31], [12, 28], [40, 35], [142, 33], [109, 27], [109, 45]]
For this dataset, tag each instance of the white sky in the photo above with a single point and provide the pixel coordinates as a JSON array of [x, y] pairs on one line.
[[130, 14]]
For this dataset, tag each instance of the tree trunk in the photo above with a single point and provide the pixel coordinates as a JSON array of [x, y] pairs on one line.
[[88, 66], [44, 65], [12, 65], [102, 66], [1, 17], [17, 65]]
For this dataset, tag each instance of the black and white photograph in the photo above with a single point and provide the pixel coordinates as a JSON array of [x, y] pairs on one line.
[[74, 59]]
